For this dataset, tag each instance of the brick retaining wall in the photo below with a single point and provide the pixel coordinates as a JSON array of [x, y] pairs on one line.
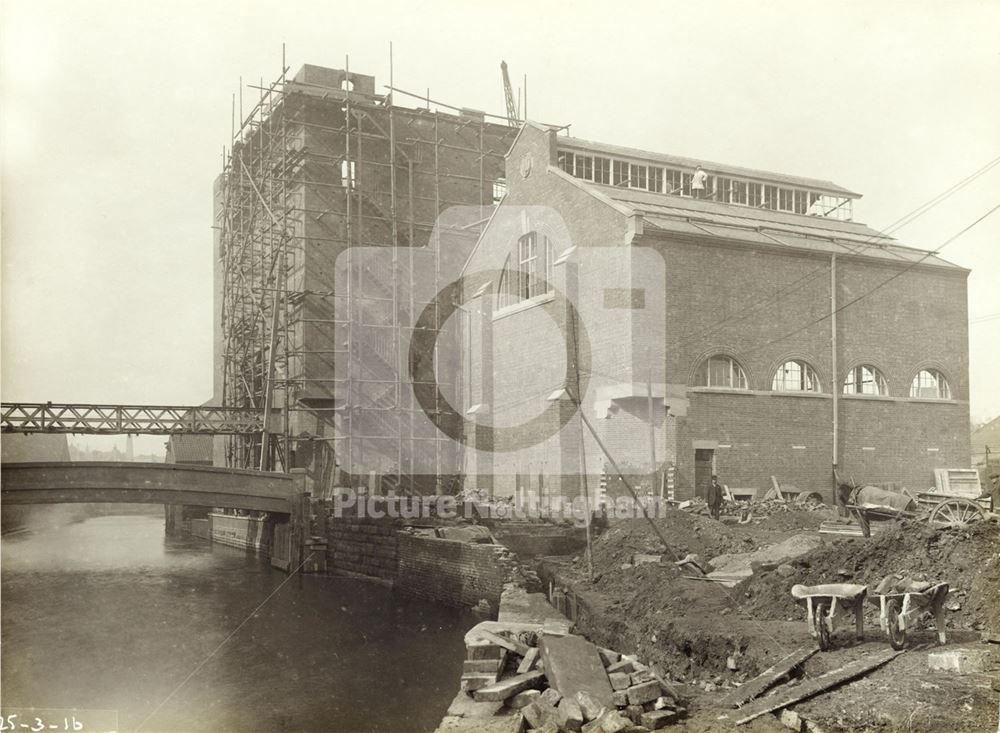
[[451, 572], [363, 545]]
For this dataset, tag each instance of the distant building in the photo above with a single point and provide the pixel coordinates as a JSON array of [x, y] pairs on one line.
[[37, 447], [780, 337], [194, 450]]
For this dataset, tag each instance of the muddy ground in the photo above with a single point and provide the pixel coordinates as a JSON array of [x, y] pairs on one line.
[[709, 638]]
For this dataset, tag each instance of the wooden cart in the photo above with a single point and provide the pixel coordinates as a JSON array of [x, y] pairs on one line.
[[954, 500]]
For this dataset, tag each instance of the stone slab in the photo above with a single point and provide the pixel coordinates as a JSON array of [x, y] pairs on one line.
[[464, 706], [658, 719], [958, 661], [520, 607], [572, 665], [646, 692], [509, 687]]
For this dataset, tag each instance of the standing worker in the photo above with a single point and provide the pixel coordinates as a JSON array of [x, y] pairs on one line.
[[714, 497], [699, 182]]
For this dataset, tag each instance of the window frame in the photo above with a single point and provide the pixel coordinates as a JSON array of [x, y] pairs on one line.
[[739, 380], [528, 255], [649, 176], [806, 375], [941, 386], [854, 382]]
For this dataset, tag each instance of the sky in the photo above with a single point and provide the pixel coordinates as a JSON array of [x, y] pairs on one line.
[[114, 116]]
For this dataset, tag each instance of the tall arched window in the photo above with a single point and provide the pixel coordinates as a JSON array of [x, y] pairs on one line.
[[865, 379], [527, 272], [795, 376], [930, 384], [721, 371]]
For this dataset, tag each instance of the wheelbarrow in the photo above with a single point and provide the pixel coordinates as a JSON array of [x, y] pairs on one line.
[[826, 604], [902, 605]]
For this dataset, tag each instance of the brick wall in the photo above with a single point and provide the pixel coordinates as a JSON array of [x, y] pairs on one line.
[[455, 573], [756, 301], [363, 545]]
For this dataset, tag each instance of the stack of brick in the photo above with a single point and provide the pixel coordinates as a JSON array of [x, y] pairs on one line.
[[363, 545], [556, 682]]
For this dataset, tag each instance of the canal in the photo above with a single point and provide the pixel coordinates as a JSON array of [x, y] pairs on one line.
[[180, 635]]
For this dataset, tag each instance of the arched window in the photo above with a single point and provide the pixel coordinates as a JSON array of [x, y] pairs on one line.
[[721, 371], [527, 272], [795, 376], [930, 384], [865, 379]]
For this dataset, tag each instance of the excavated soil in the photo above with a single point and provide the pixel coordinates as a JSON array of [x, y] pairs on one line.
[[968, 559], [698, 631]]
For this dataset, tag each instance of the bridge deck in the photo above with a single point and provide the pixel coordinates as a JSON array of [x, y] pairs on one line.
[[159, 483]]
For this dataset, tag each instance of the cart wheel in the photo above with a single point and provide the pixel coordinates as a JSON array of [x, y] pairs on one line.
[[822, 629], [956, 511], [897, 636]]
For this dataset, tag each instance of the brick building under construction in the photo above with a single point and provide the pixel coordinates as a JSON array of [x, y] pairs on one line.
[[322, 166], [736, 349]]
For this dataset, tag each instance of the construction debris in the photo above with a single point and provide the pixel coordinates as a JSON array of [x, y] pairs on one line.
[[767, 679], [576, 687], [814, 686], [572, 665]]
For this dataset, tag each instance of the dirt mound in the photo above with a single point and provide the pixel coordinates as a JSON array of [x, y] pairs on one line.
[[685, 533], [793, 519], [966, 558]]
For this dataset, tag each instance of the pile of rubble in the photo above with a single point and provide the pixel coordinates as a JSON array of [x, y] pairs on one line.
[[556, 681], [966, 557]]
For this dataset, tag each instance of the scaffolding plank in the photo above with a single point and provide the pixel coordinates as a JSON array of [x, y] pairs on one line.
[[767, 679], [815, 686]]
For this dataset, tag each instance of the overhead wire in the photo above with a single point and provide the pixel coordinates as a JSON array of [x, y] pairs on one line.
[[882, 284], [898, 224]]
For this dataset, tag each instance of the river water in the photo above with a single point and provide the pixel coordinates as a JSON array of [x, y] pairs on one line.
[[176, 634]]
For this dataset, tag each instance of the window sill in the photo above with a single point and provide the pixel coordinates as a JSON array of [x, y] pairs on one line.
[[872, 397], [932, 400], [524, 305], [799, 393], [721, 390]]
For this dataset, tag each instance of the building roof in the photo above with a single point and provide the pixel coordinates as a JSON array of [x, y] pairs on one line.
[[676, 161], [35, 447], [987, 435], [764, 226], [183, 448]]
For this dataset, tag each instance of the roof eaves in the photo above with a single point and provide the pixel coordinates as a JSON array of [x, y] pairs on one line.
[[618, 206]]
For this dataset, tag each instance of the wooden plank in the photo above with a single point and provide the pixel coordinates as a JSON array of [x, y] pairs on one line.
[[508, 644], [509, 687], [816, 686], [767, 679], [528, 663]]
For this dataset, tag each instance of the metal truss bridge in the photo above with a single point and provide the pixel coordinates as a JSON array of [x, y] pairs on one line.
[[51, 417]]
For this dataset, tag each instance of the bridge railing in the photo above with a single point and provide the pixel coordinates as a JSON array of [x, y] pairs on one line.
[[51, 417]]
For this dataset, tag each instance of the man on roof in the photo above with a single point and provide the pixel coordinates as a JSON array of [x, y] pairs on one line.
[[699, 183]]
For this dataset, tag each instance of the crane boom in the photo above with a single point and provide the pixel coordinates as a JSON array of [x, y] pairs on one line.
[[509, 95]]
